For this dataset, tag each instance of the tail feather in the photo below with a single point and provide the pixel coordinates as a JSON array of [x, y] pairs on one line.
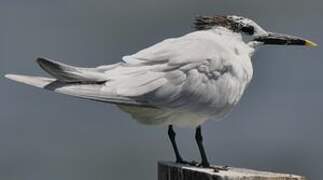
[[40, 82], [67, 73], [90, 91]]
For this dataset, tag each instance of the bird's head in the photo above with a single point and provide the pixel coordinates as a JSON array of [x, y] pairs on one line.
[[252, 33]]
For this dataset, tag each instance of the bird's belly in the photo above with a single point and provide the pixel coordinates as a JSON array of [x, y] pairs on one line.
[[164, 116]]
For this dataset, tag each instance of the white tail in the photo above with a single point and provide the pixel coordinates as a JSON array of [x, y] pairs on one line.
[[87, 83]]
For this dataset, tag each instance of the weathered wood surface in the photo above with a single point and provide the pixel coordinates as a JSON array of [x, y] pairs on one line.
[[173, 171]]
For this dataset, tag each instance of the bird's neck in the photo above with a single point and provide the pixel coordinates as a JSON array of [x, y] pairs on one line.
[[237, 40], [222, 31]]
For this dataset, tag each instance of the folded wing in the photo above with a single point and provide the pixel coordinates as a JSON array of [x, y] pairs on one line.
[[182, 73]]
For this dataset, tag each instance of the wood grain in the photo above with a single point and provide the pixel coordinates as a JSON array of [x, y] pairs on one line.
[[173, 171]]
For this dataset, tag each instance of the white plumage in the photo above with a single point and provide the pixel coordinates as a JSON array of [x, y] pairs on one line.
[[181, 81]]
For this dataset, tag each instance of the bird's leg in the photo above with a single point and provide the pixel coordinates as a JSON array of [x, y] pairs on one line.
[[199, 141], [205, 163], [171, 135]]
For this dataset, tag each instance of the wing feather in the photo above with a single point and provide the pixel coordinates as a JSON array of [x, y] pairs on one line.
[[194, 71]]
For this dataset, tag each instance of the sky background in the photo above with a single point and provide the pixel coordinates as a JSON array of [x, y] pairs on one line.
[[277, 125]]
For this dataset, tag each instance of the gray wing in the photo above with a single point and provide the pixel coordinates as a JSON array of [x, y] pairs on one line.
[[174, 72], [191, 48], [192, 71]]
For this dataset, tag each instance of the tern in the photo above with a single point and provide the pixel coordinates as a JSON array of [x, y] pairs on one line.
[[180, 82]]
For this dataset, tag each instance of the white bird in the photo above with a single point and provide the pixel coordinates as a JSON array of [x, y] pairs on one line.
[[180, 81]]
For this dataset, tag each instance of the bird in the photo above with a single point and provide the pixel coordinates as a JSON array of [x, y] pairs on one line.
[[178, 82]]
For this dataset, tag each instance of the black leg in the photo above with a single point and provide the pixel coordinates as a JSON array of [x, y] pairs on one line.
[[199, 141], [171, 135]]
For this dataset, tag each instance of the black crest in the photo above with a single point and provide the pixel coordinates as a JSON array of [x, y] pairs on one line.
[[208, 22]]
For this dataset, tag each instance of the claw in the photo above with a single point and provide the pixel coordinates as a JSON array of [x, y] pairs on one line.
[[192, 163], [203, 165], [219, 168]]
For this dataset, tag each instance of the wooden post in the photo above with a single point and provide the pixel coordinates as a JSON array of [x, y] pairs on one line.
[[173, 171]]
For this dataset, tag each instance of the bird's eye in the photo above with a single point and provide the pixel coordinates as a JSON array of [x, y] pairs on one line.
[[248, 29]]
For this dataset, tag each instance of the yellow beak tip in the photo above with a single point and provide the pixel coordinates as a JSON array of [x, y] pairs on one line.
[[310, 43]]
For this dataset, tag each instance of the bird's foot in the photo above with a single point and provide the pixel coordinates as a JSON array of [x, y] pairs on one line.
[[192, 163], [215, 168], [203, 165], [219, 168]]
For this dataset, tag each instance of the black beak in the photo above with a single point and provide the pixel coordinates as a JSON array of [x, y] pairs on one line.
[[282, 39]]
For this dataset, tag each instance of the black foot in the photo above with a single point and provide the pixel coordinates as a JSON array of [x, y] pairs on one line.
[[219, 168], [204, 165], [192, 163], [199, 140]]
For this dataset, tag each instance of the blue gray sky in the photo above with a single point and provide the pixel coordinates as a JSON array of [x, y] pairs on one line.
[[276, 126]]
